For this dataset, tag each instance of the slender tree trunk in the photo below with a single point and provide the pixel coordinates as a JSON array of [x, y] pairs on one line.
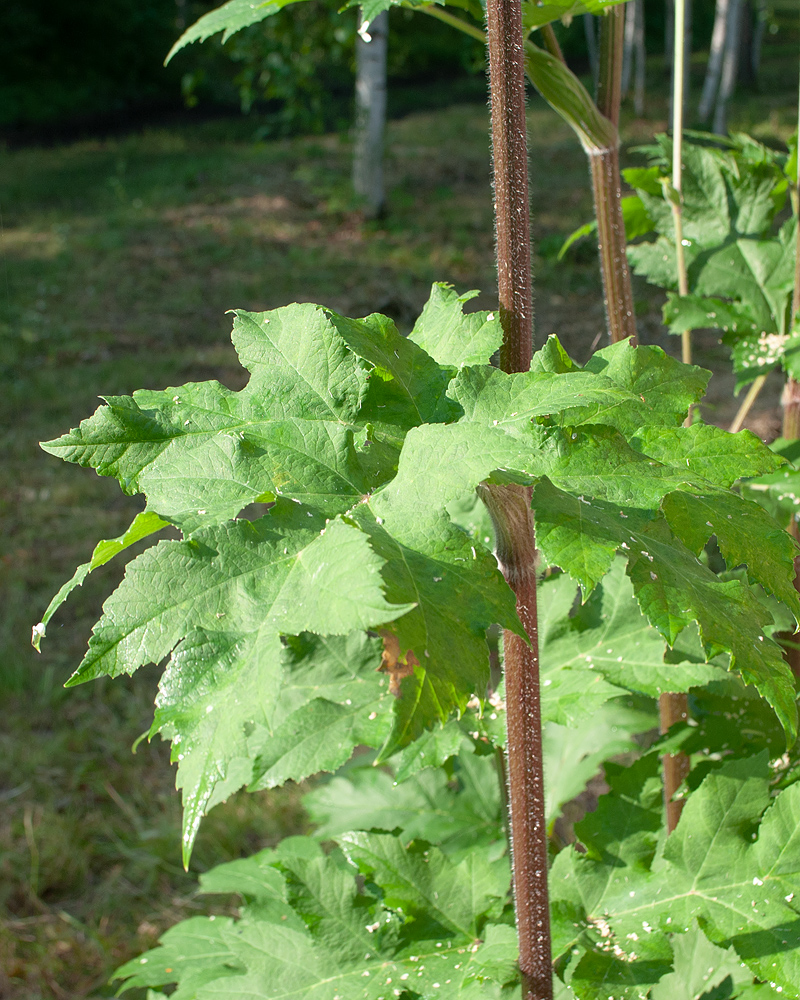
[[746, 31], [371, 114], [714, 67], [758, 38], [639, 85], [669, 33], [590, 30], [510, 506], [729, 64]]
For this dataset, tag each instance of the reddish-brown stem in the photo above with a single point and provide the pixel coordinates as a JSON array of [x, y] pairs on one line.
[[673, 708], [611, 241], [512, 208], [510, 506], [607, 185]]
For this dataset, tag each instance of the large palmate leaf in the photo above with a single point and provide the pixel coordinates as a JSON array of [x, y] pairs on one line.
[[362, 443], [309, 929], [736, 873], [282, 573]]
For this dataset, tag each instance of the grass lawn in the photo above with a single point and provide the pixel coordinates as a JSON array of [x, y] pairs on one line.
[[118, 260]]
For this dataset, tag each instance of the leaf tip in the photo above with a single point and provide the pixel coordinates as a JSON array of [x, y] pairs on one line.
[[38, 633]]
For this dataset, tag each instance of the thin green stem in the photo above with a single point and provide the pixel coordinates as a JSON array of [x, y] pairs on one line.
[[551, 42], [677, 165], [454, 22], [790, 400], [673, 707], [747, 403]]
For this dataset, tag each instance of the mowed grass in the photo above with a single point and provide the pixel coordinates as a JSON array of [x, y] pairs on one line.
[[118, 261]]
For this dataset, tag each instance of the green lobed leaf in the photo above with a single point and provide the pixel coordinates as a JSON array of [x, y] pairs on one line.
[[672, 588], [231, 17], [710, 452], [452, 337], [459, 814], [736, 874], [192, 954], [573, 756], [309, 929], [608, 636], [241, 708], [288, 572], [423, 883], [143, 525], [701, 967], [745, 533]]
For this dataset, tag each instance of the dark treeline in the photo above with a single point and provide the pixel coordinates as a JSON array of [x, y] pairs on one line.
[[67, 69]]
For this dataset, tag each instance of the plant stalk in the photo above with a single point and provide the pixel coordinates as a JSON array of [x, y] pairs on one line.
[[607, 185], [510, 509], [747, 403], [606, 179], [510, 506], [674, 707], [790, 400], [677, 165], [512, 206]]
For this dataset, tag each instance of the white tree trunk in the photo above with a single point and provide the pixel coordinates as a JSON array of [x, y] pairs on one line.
[[370, 114], [714, 68], [634, 55], [758, 37], [729, 65]]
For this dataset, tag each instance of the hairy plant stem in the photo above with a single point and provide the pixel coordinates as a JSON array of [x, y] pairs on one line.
[[510, 509], [510, 506], [512, 207], [607, 185]]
